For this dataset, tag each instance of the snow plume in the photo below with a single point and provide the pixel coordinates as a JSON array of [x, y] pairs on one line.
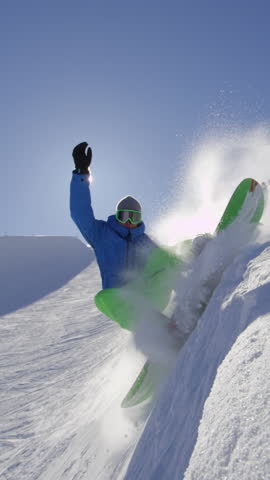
[[197, 283], [215, 168], [117, 428], [152, 337], [150, 334], [193, 289]]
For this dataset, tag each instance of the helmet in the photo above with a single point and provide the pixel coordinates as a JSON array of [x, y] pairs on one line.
[[129, 203], [128, 211]]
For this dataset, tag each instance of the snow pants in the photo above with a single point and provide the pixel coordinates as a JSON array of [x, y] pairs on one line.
[[151, 291]]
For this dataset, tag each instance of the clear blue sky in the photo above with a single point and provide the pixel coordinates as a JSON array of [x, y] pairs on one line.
[[139, 80]]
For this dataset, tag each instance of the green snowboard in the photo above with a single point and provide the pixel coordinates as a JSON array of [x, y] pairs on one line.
[[246, 201], [249, 193]]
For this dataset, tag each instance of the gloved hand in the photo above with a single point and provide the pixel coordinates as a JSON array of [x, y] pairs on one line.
[[82, 158]]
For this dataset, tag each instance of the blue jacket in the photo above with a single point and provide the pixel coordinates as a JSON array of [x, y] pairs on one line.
[[121, 252]]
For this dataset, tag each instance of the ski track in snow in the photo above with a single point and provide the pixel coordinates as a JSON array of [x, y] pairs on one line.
[[61, 386]]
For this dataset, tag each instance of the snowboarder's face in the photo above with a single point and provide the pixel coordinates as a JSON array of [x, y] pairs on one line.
[[128, 224], [129, 218]]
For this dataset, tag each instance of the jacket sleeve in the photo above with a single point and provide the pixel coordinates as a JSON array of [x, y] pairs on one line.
[[81, 209]]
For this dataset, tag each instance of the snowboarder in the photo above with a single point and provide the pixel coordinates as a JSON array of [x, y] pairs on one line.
[[120, 244], [125, 254]]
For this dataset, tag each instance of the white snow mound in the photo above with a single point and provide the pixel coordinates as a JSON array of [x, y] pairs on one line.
[[212, 419]]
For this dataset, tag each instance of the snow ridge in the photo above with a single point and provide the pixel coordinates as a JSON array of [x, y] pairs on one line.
[[166, 447], [32, 267]]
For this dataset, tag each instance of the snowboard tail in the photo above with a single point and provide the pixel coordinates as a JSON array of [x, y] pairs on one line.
[[141, 390]]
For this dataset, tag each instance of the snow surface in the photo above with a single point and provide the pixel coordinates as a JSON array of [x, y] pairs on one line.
[[65, 369]]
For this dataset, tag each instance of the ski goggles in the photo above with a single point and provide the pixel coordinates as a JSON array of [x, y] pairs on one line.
[[133, 216]]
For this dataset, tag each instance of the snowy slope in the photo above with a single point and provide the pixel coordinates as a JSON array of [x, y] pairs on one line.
[[212, 420], [64, 368]]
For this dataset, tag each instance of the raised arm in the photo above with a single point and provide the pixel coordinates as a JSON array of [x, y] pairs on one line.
[[80, 198]]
